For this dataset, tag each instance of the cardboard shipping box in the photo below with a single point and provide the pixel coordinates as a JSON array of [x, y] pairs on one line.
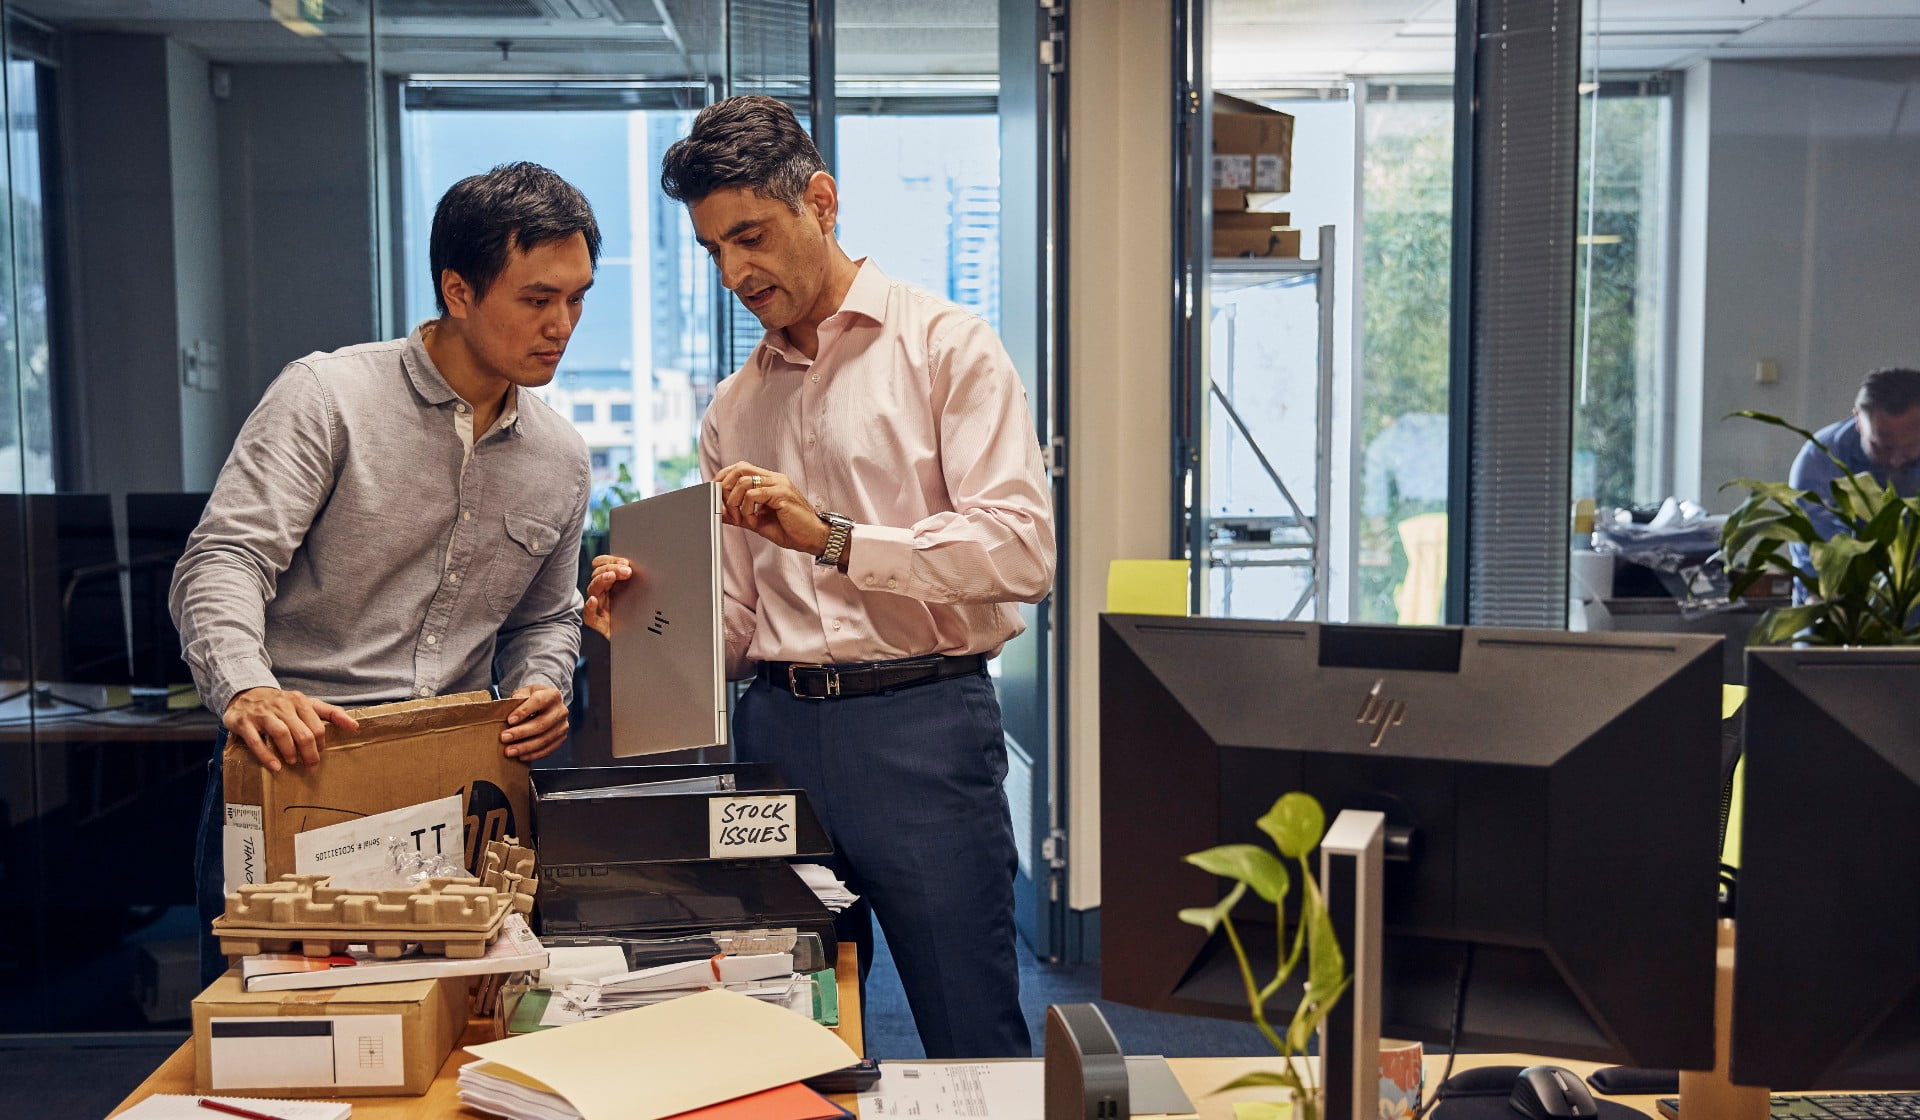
[[1240, 234], [373, 1040], [1252, 146], [403, 754]]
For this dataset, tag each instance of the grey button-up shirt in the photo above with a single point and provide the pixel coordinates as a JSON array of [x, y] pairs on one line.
[[355, 551]]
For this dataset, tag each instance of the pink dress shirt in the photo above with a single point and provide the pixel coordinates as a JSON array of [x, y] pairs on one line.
[[913, 423]]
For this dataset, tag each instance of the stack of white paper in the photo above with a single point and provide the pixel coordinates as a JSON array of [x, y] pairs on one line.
[[490, 1087], [833, 893], [768, 977]]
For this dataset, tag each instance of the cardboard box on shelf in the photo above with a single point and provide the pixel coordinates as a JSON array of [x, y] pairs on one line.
[[1252, 146], [1240, 234], [376, 1040], [403, 754]]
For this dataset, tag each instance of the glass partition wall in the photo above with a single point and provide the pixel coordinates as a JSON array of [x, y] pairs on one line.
[[198, 194]]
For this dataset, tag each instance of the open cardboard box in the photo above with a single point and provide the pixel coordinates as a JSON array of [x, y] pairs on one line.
[[403, 754]]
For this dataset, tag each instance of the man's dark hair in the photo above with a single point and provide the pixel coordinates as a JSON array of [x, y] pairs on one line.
[[1889, 392], [748, 141], [483, 218]]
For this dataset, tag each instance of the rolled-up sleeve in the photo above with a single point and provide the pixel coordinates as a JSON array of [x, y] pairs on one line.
[[275, 481], [996, 544]]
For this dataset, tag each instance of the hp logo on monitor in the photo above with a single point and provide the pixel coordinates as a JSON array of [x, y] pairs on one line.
[[1381, 712]]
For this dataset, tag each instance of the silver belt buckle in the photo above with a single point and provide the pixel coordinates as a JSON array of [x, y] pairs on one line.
[[793, 683]]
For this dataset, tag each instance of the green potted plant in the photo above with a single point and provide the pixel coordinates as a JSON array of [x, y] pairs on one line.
[[1862, 588], [1295, 824]]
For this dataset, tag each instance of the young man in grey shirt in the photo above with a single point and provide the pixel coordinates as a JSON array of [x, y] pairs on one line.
[[399, 519]]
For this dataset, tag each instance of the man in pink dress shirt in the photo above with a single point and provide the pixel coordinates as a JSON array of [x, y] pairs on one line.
[[888, 505]]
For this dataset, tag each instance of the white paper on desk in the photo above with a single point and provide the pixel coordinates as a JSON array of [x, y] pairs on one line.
[[174, 1106], [568, 963], [1014, 1090], [672, 1057], [358, 847]]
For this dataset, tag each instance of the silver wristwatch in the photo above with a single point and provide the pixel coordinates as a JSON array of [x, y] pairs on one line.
[[839, 531]]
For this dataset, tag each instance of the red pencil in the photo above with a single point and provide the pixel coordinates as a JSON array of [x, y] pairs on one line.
[[234, 1111]]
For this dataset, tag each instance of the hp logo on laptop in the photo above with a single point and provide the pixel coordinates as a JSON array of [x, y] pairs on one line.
[[1381, 712]]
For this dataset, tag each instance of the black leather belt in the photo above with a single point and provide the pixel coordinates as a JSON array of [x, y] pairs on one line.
[[835, 682]]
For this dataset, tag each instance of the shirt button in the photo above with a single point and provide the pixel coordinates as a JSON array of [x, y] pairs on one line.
[[433, 639], [809, 438], [816, 377], [891, 584], [466, 515], [870, 581], [423, 692], [453, 577], [460, 408], [836, 626]]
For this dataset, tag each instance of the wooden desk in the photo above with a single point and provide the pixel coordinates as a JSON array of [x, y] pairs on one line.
[[1201, 1076], [175, 1075]]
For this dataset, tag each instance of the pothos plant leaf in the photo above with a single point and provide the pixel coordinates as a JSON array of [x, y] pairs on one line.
[[1249, 864], [1210, 917], [1296, 822]]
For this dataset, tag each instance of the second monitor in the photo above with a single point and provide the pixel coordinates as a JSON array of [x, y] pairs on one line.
[[1559, 793]]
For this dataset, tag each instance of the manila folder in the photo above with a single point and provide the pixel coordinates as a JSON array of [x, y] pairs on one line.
[[672, 1057]]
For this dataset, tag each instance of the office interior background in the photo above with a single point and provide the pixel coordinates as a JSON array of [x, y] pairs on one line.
[[1703, 205]]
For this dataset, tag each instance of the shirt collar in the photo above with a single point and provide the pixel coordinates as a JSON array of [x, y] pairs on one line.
[[866, 298], [433, 388], [425, 376]]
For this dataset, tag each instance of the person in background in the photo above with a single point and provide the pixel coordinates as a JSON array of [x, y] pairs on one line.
[[886, 506], [1880, 438], [399, 519]]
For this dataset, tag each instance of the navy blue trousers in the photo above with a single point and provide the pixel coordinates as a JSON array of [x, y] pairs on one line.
[[908, 786]]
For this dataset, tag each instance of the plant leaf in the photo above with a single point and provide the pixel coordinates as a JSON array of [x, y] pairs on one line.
[[1260, 1079], [1780, 625], [1210, 917], [1834, 562], [1296, 822], [1246, 863]]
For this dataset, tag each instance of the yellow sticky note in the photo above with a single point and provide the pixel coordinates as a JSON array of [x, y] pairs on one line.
[[1262, 1110], [1147, 587], [1731, 697]]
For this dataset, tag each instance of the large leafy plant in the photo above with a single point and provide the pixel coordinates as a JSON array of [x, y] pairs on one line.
[[1295, 824], [1862, 584]]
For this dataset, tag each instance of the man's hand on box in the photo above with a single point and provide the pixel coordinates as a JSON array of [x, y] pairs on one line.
[[608, 573], [279, 726], [538, 726]]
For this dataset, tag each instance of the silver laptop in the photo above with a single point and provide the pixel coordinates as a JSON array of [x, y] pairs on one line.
[[669, 654]]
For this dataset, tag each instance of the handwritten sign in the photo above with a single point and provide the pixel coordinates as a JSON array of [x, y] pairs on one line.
[[751, 827]]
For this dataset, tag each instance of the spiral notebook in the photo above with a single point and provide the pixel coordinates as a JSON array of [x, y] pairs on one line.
[[172, 1106]]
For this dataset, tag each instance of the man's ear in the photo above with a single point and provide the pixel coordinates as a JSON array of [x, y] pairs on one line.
[[458, 294], [822, 200]]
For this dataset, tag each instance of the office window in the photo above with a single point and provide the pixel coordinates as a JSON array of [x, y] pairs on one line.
[[26, 434], [921, 193], [1404, 273], [646, 334], [1620, 300]]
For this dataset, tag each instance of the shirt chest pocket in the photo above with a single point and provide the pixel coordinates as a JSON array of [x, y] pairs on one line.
[[528, 542]]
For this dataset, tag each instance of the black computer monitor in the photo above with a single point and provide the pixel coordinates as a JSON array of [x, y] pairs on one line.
[[1826, 974], [1562, 790], [69, 565], [158, 525]]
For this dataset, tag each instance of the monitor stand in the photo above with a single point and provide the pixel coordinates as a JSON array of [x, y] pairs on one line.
[[1352, 864]]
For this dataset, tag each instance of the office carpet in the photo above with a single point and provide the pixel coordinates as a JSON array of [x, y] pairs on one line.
[[86, 1082]]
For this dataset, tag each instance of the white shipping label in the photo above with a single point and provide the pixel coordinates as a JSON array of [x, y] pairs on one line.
[[306, 1051], [1232, 172], [751, 827], [358, 846], [1269, 173], [243, 847]]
